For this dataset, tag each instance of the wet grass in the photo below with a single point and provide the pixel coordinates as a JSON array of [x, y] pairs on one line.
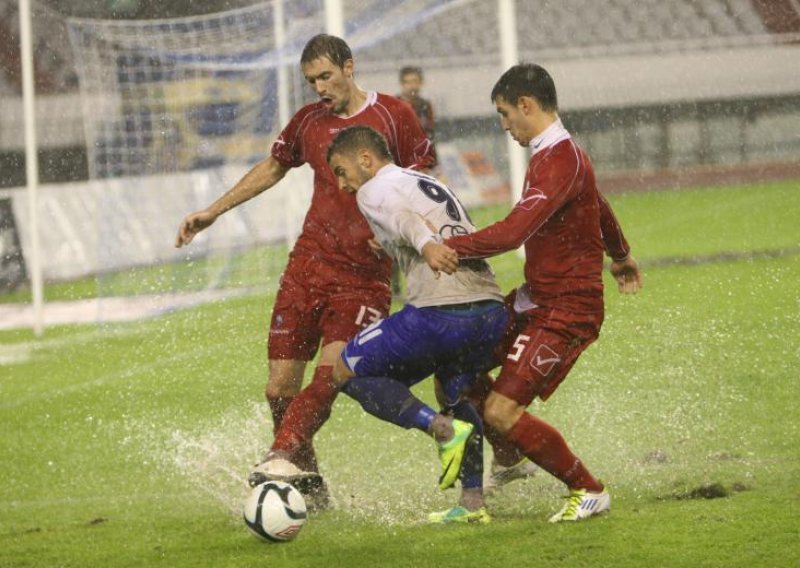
[[126, 445]]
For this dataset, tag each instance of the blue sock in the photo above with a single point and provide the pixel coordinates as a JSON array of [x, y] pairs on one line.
[[390, 400], [472, 468]]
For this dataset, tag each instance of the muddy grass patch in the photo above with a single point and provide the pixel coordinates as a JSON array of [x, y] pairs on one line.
[[714, 490]]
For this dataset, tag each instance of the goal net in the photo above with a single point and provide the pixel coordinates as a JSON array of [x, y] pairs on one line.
[[175, 112]]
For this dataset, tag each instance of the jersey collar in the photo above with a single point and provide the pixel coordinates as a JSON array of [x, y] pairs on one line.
[[387, 169], [372, 96], [551, 136]]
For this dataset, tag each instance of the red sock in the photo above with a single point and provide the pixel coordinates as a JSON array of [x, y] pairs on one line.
[[304, 456], [546, 448], [304, 416]]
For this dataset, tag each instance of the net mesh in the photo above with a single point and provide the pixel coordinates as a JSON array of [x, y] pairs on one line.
[[175, 112], [188, 93]]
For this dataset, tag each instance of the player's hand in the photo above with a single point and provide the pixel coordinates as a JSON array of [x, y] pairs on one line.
[[193, 224], [441, 258], [376, 248], [626, 273]]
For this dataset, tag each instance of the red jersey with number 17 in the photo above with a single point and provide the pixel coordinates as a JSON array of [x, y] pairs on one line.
[[334, 229], [564, 223]]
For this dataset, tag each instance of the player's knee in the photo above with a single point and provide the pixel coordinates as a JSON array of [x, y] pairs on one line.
[[501, 412], [492, 416], [276, 390], [331, 353], [285, 379]]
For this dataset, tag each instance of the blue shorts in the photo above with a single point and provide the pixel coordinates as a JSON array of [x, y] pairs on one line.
[[414, 343]]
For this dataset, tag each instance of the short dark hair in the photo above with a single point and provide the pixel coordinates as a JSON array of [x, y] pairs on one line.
[[410, 70], [355, 138], [324, 45], [527, 79]]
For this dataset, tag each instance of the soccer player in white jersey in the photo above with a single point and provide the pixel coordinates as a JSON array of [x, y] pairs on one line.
[[449, 326]]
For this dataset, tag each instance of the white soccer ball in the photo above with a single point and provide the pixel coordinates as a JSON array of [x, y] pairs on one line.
[[275, 511]]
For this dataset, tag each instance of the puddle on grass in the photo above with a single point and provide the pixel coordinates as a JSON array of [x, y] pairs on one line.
[[391, 486]]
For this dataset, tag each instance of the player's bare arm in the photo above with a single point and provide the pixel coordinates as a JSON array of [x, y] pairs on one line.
[[440, 258], [627, 274], [263, 176]]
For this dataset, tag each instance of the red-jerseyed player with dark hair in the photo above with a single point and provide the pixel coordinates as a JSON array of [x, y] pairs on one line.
[[565, 225], [334, 283]]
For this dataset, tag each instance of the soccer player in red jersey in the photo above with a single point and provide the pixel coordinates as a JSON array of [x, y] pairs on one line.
[[334, 283], [565, 225]]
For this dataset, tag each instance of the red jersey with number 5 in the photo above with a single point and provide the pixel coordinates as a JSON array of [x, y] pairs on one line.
[[334, 229], [564, 223]]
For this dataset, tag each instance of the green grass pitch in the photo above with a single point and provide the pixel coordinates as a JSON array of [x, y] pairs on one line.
[[128, 444]]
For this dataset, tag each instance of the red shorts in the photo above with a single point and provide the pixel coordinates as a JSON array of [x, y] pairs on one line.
[[318, 302], [540, 347]]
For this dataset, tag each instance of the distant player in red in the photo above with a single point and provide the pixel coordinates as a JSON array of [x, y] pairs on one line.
[[565, 225], [334, 283]]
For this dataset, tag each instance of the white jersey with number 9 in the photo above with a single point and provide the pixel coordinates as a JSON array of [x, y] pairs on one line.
[[406, 209]]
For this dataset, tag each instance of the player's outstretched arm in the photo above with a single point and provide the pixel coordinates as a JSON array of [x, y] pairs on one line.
[[627, 274], [263, 176], [192, 224], [440, 258]]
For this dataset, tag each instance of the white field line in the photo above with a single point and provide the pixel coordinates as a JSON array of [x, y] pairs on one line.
[[122, 498], [26, 350], [99, 310], [112, 377], [15, 353], [113, 309]]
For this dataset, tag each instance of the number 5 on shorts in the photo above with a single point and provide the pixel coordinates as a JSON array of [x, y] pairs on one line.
[[519, 346]]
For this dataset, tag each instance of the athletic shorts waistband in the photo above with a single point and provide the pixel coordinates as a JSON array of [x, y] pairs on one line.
[[469, 307]]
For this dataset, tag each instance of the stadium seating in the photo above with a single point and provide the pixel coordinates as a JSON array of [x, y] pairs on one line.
[[577, 28], [460, 36], [561, 28]]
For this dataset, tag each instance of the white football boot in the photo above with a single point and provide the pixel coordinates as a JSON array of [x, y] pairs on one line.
[[309, 483], [582, 504]]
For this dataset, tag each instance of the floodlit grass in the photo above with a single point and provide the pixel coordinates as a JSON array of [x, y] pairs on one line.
[[713, 220], [127, 445]]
